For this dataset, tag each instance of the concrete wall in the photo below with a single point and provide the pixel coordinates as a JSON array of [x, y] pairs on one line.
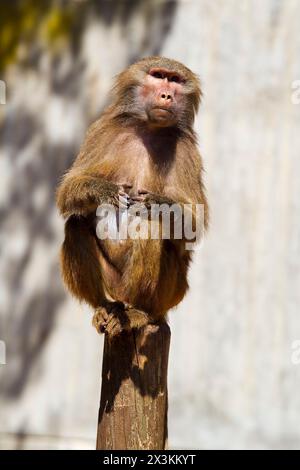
[[232, 383]]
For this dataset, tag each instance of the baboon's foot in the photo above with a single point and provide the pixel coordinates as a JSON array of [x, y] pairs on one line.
[[101, 315], [137, 318], [114, 317]]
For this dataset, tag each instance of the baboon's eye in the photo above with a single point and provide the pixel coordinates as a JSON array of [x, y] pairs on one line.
[[157, 74], [174, 78]]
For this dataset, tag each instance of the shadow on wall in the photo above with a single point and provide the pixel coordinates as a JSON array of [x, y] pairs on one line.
[[28, 214]]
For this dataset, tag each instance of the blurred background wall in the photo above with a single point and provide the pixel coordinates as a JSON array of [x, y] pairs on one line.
[[232, 383]]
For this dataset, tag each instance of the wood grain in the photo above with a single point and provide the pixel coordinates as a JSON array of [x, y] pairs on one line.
[[134, 397]]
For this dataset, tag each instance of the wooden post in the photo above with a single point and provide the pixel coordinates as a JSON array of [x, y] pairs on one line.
[[134, 396]]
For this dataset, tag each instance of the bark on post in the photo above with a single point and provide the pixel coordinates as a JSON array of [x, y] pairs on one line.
[[134, 397]]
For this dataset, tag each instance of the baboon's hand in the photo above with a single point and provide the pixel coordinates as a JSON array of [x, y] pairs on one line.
[[123, 194], [148, 198]]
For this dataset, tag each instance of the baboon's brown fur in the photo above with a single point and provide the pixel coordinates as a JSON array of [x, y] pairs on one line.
[[143, 141]]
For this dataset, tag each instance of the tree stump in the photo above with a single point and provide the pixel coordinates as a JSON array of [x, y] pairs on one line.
[[134, 394]]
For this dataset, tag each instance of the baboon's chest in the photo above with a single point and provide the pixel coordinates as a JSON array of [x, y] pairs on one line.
[[143, 170]]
